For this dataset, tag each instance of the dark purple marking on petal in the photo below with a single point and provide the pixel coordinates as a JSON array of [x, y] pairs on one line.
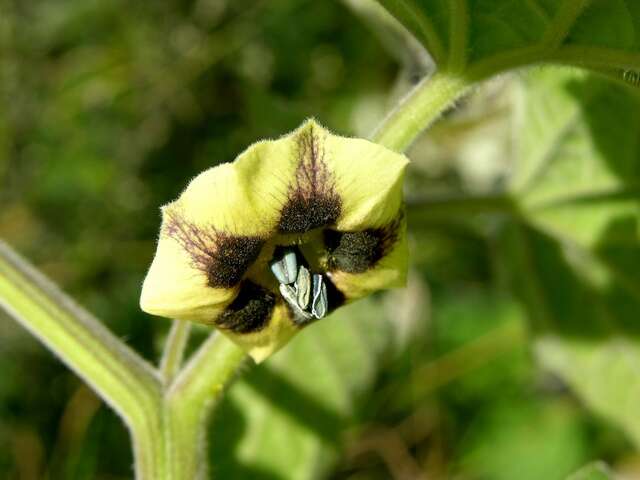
[[312, 202], [250, 311], [357, 252], [223, 257]]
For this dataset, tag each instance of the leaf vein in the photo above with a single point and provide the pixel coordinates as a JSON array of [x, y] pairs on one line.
[[561, 25], [459, 34], [425, 26]]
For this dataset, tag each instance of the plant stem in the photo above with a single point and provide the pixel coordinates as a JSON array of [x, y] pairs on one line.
[[424, 104], [167, 424], [190, 401], [120, 376], [174, 348]]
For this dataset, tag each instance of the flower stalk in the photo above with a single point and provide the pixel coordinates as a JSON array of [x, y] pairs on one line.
[[419, 109], [166, 409]]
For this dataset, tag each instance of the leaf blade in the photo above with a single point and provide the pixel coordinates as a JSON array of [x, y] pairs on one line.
[[573, 247], [492, 36]]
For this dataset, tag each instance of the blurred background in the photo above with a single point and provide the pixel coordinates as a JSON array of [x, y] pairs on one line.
[[110, 107]]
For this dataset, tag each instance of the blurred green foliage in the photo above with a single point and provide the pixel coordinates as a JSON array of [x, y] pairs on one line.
[[110, 107]]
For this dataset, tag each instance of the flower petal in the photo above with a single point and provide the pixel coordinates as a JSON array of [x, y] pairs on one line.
[[174, 288], [209, 238], [368, 179], [212, 234], [348, 183]]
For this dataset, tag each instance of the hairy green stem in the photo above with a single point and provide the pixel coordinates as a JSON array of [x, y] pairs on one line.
[[166, 419], [189, 401], [424, 104], [174, 349], [120, 376]]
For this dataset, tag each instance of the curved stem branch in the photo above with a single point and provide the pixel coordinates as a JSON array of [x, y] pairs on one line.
[[120, 376], [190, 401], [459, 28], [564, 19], [174, 348], [419, 109]]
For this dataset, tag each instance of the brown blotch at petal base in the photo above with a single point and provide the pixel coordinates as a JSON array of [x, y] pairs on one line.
[[312, 202], [250, 311], [223, 257], [357, 252]]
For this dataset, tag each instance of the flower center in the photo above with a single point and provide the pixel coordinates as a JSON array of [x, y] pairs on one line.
[[303, 290]]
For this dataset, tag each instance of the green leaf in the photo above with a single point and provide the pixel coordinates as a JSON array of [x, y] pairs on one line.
[[593, 471], [572, 253], [577, 186], [284, 418], [603, 373], [484, 37]]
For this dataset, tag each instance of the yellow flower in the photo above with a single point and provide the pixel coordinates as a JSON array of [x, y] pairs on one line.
[[288, 232]]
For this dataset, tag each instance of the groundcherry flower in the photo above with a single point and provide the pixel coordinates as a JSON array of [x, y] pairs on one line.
[[282, 236]]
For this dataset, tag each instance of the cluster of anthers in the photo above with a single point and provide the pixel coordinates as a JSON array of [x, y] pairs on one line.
[[289, 231], [305, 292]]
